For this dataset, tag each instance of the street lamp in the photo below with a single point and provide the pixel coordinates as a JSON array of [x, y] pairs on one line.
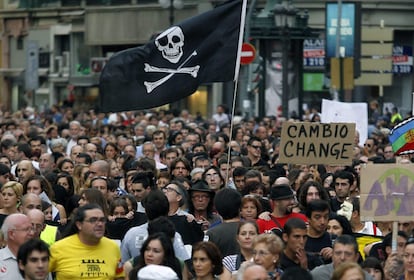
[[171, 5], [283, 21]]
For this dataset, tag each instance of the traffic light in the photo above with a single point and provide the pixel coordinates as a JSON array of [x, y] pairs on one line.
[[255, 75]]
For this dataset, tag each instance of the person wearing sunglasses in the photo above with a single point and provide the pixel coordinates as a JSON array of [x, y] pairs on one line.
[[370, 147], [254, 152]]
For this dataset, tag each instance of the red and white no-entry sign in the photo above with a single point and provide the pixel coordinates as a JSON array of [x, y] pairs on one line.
[[248, 54]]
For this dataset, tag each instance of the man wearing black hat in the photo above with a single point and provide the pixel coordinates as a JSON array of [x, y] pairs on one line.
[[282, 201], [201, 204]]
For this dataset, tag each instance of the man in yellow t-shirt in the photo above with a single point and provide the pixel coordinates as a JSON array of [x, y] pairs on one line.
[[86, 254]]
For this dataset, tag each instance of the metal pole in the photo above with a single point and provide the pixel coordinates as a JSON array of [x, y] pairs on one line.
[[299, 74], [412, 105], [285, 75], [262, 85], [171, 12], [245, 71], [338, 52]]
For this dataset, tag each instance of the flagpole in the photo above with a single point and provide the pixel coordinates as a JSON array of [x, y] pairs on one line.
[[236, 82], [241, 37]]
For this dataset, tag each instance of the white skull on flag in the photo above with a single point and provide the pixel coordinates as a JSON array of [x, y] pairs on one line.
[[170, 43]]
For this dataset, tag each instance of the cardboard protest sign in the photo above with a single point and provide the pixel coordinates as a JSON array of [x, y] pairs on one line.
[[316, 143], [387, 192]]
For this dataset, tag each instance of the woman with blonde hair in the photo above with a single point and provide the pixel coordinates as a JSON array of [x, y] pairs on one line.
[[79, 177], [267, 249], [11, 195], [348, 270]]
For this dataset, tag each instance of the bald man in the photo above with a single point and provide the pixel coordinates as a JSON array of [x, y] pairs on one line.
[[48, 233], [282, 181], [99, 168], [24, 170], [30, 201], [16, 230], [252, 271], [37, 218]]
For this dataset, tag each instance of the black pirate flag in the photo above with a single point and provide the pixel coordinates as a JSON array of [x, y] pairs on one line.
[[199, 50]]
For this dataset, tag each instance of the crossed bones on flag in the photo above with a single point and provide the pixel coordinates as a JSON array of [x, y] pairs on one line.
[[170, 44], [193, 71]]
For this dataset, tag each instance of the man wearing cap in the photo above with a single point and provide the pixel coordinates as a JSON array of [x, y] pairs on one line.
[[201, 204], [282, 201]]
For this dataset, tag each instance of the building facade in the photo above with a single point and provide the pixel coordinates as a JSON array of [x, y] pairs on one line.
[[52, 51]]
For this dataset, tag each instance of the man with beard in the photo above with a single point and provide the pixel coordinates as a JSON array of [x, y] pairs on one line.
[[282, 200], [86, 253], [201, 204]]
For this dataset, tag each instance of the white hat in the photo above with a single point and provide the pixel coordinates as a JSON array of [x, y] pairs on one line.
[[156, 272], [196, 170]]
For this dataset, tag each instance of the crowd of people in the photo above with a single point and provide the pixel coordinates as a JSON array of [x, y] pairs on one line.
[[167, 195]]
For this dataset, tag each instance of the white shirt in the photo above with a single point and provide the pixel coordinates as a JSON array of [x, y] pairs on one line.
[[8, 265], [369, 229]]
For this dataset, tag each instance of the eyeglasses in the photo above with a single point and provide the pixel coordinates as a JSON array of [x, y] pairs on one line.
[[410, 241], [95, 220], [200, 196], [367, 145], [170, 189], [251, 196], [212, 175], [260, 253], [99, 177], [37, 227], [256, 147], [28, 229]]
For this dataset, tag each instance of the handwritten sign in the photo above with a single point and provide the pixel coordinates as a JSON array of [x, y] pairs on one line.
[[316, 143], [387, 192]]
